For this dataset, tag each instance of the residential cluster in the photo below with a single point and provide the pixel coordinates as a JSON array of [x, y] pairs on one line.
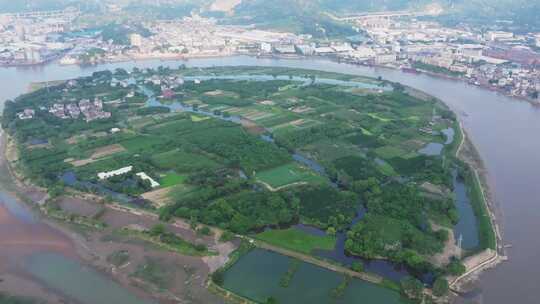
[[90, 110], [495, 59]]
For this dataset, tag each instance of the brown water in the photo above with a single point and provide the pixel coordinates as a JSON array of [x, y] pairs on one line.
[[504, 130]]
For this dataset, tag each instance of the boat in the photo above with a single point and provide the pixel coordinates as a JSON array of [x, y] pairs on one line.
[[410, 70]]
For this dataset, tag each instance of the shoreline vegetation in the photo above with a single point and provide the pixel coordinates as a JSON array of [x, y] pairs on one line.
[[478, 198]]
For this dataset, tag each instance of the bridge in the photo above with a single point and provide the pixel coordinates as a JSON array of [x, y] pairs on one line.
[[69, 13], [384, 15]]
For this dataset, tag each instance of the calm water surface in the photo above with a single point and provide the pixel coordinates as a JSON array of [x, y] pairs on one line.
[[504, 130], [257, 275]]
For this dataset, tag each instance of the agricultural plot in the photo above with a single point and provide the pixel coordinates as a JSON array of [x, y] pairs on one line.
[[172, 179], [287, 175], [297, 240], [181, 161], [97, 154], [143, 143]]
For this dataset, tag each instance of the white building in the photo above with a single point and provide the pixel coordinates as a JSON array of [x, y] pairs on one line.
[[136, 40], [144, 176], [385, 58], [499, 35], [106, 175], [266, 47], [362, 53]]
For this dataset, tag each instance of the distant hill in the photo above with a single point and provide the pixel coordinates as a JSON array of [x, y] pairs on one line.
[[304, 16], [15, 6]]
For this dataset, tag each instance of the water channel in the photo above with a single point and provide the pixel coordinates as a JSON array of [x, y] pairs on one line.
[[503, 130]]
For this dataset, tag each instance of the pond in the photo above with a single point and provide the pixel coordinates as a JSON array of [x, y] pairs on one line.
[[257, 276], [449, 133], [467, 227], [432, 149]]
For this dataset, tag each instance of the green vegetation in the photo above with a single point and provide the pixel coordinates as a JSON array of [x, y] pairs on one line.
[[297, 240], [172, 179], [455, 268], [7, 299], [440, 287], [325, 206], [288, 276], [288, 174], [435, 69], [360, 148], [339, 291], [165, 240], [413, 289]]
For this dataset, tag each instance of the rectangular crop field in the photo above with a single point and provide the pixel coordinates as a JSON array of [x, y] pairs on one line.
[[297, 240], [172, 179], [288, 174]]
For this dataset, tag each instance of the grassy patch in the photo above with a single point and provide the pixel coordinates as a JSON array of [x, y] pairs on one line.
[[141, 143], [197, 118], [181, 161], [172, 179], [388, 152], [172, 243], [297, 240], [288, 174]]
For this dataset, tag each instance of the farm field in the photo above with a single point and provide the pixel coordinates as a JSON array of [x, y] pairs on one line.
[[297, 240], [288, 174]]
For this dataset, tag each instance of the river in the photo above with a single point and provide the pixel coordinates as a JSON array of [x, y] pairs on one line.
[[504, 131]]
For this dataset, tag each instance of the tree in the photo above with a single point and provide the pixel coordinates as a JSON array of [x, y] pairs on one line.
[[200, 247], [357, 266], [271, 300], [440, 287], [331, 231], [205, 230], [218, 277], [455, 268], [56, 191], [412, 288], [226, 236], [157, 230]]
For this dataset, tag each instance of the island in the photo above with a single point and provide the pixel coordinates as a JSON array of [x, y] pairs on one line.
[[274, 177]]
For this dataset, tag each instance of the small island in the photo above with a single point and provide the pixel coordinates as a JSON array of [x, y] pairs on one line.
[[349, 178]]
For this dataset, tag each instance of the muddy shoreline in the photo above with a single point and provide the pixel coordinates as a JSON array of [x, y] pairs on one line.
[[91, 249]]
